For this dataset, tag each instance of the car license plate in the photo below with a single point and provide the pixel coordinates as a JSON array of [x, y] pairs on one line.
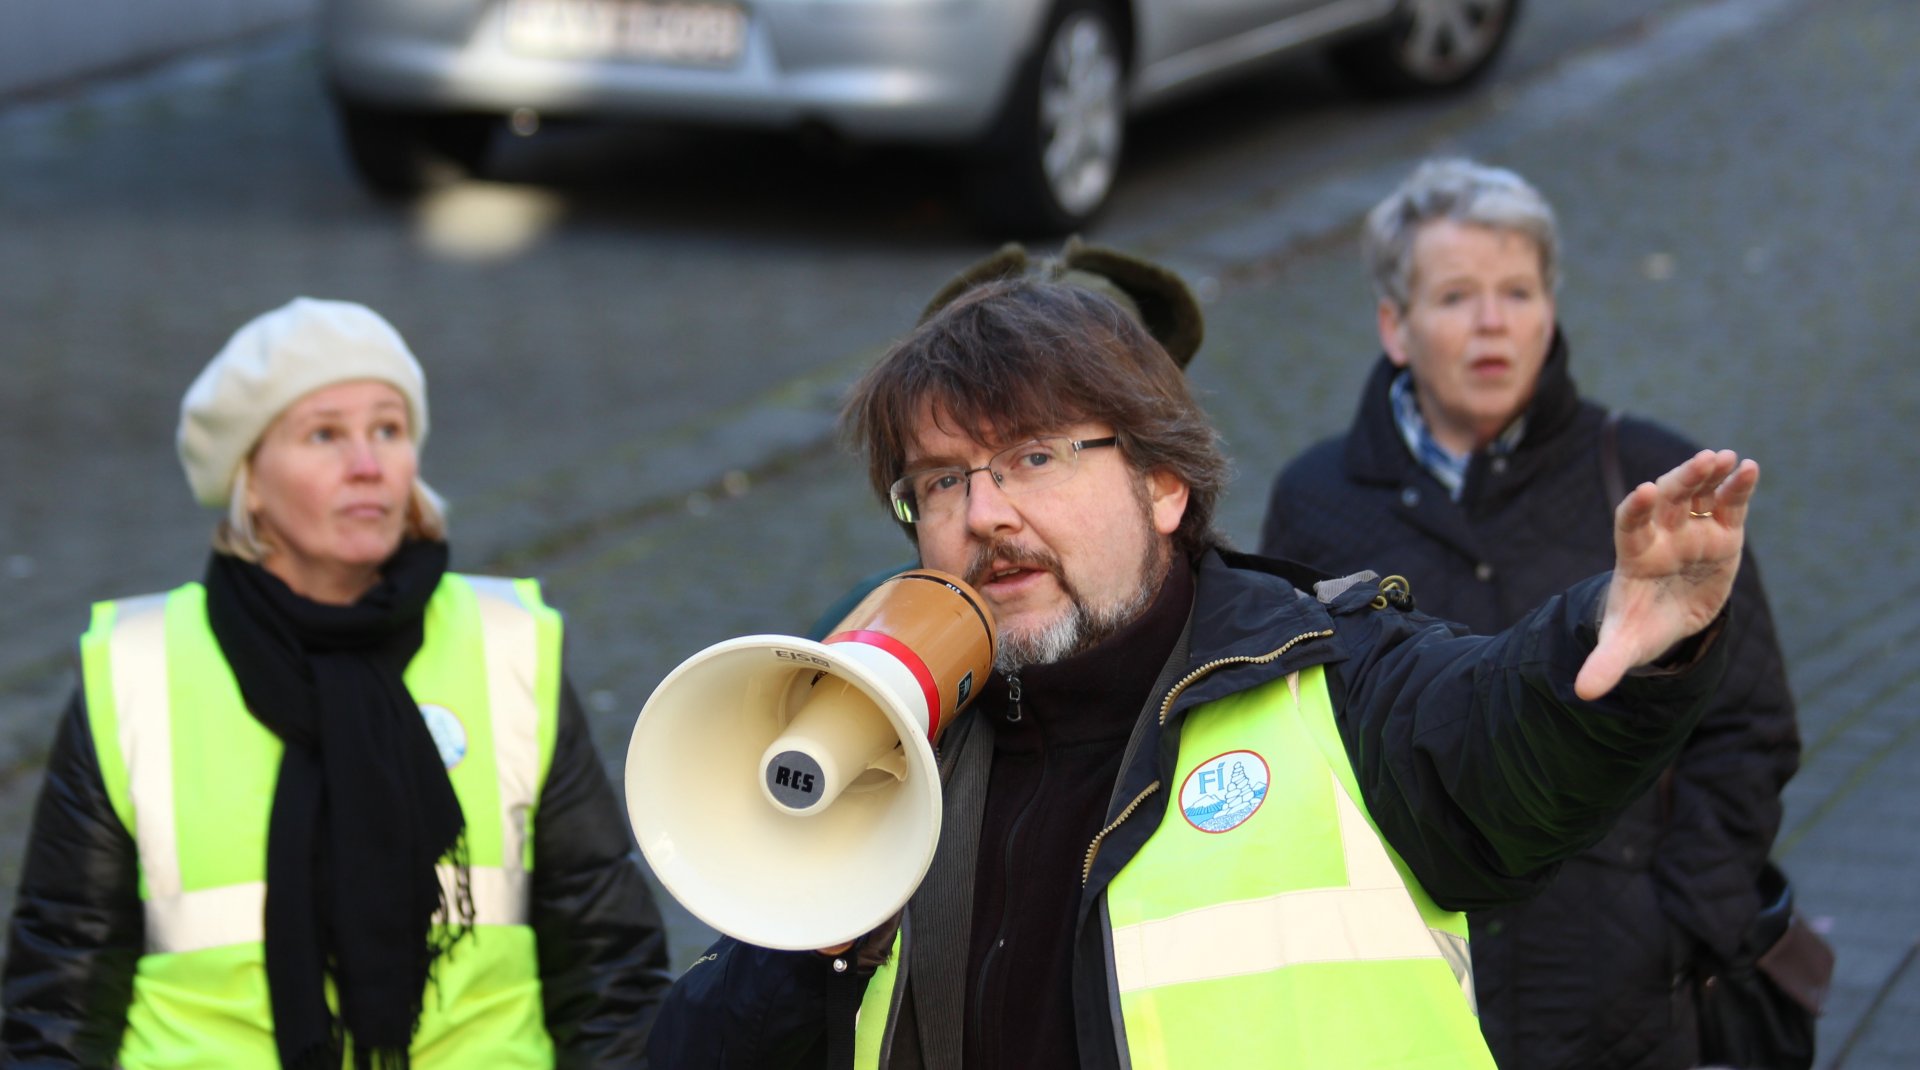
[[680, 31]]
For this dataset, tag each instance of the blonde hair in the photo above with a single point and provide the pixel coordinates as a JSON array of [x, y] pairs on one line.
[[235, 535]]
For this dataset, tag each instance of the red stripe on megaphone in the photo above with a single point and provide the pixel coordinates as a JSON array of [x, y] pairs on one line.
[[906, 657]]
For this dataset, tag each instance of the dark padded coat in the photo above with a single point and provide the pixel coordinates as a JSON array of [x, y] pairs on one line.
[[1595, 972], [1434, 724], [78, 928]]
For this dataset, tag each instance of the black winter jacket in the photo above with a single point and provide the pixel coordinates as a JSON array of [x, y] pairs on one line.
[[1433, 721], [78, 929], [1595, 972]]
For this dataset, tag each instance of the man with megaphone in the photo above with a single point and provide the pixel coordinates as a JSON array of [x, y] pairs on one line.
[[1208, 809]]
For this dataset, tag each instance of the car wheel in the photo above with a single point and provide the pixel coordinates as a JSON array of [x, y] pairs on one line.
[[1051, 160], [401, 153], [1429, 45]]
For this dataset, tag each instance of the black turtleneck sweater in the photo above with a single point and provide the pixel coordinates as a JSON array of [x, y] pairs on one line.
[[1056, 756]]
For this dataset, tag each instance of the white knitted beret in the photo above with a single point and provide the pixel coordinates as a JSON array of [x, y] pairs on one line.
[[274, 361]]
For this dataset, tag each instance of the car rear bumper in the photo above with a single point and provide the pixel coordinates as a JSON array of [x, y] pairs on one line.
[[920, 70]]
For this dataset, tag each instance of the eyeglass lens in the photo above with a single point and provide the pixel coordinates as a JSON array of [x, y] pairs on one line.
[[937, 492]]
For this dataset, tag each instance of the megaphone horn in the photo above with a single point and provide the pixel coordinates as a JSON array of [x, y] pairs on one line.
[[785, 791]]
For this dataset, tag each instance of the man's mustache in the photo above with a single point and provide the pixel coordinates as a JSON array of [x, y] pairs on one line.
[[1004, 554]]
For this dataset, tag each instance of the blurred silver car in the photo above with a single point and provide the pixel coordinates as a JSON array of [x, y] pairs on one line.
[[1036, 91]]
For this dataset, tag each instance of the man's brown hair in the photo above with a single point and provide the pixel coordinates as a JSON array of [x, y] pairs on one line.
[[1024, 357]]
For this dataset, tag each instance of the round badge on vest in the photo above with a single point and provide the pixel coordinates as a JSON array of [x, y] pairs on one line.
[[449, 735], [1221, 793]]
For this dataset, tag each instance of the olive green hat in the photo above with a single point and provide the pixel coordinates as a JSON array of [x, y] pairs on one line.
[[1158, 297]]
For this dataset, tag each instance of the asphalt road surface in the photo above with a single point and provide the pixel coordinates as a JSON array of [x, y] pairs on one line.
[[635, 341]]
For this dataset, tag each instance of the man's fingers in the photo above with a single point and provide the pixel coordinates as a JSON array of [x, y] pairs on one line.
[[1711, 483], [1603, 669], [1732, 496], [1683, 527], [1636, 509], [1687, 489]]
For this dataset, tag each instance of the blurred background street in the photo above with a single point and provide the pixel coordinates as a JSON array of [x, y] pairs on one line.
[[635, 341]]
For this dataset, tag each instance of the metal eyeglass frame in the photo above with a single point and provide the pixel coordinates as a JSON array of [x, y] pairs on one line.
[[904, 506]]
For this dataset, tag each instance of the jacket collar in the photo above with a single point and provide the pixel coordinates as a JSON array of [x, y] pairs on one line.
[[1376, 453], [1253, 621], [1076, 697]]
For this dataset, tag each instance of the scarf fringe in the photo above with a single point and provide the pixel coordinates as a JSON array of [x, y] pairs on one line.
[[381, 1059], [452, 916], [321, 1055]]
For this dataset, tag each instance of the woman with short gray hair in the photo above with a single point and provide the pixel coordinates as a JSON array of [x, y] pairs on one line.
[[1475, 470], [1466, 193]]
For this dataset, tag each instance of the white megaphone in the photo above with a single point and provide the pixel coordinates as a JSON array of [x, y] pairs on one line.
[[785, 791]]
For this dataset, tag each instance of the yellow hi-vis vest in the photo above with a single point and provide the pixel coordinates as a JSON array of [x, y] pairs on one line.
[[1266, 922], [191, 775]]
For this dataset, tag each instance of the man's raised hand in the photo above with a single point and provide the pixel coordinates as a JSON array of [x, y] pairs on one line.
[[1677, 544]]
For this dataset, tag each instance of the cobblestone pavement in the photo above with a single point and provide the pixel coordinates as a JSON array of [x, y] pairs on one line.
[[633, 400]]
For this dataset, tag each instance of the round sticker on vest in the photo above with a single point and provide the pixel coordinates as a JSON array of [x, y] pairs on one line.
[[449, 735], [1223, 791]]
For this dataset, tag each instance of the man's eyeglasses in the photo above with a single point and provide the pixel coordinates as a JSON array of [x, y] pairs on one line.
[[936, 494]]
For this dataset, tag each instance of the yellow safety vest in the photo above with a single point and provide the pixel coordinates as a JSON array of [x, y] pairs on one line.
[[1266, 922], [191, 775]]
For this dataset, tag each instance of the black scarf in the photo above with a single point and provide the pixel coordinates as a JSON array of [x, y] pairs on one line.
[[362, 810]]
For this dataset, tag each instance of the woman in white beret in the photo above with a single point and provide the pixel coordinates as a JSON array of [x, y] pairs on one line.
[[333, 804]]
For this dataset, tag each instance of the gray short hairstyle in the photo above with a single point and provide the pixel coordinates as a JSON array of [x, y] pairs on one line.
[[1465, 192]]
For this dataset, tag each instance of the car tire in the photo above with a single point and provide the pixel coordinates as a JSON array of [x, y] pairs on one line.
[[1428, 46], [1050, 162], [400, 154]]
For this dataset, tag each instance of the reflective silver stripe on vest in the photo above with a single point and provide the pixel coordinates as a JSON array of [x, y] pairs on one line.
[[137, 661], [216, 917], [512, 638], [1453, 948], [236, 913], [1372, 918]]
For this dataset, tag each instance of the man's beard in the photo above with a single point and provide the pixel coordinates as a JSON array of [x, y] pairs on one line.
[[1083, 626]]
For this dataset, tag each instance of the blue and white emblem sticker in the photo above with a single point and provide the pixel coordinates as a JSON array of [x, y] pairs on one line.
[[449, 735], [1223, 791]]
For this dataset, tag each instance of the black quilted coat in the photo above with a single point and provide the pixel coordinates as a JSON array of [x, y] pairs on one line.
[[1595, 973], [77, 931]]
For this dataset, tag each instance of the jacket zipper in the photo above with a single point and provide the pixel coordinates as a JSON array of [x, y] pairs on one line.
[[976, 1026], [1166, 707], [1244, 659]]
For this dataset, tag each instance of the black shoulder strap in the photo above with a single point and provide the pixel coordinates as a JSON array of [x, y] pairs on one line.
[[936, 964]]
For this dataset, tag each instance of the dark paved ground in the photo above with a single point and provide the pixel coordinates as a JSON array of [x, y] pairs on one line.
[[634, 359]]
